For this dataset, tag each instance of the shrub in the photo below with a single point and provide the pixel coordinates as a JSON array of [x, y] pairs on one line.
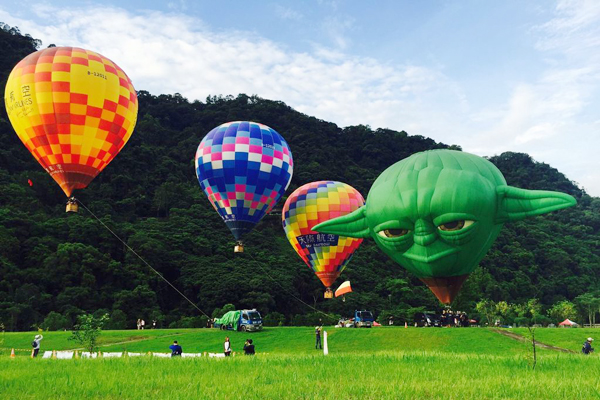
[[55, 322], [274, 319], [522, 321], [190, 322], [118, 320]]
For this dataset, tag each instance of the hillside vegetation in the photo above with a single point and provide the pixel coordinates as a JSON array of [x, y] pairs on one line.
[[54, 266]]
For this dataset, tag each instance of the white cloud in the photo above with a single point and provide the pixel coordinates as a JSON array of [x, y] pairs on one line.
[[336, 29], [573, 29], [177, 5], [169, 53], [547, 117], [288, 13]]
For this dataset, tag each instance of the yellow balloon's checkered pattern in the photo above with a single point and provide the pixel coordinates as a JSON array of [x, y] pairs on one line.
[[73, 109]]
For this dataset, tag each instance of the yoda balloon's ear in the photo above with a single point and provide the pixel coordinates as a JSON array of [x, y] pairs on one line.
[[350, 225], [515, 204]]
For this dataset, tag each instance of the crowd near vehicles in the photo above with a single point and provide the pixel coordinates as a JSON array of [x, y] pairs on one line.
[[240, 320], [427, 319], [361, 319]]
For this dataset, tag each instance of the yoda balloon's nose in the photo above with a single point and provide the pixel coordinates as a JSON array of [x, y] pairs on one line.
[[438, 212], [424, 233]]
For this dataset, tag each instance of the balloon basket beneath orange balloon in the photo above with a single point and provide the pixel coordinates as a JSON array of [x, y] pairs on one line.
[[328, 293], [72, 205], [239, 247], [445, 288]]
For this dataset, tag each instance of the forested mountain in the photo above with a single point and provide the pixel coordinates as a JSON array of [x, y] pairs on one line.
[[54, 266]]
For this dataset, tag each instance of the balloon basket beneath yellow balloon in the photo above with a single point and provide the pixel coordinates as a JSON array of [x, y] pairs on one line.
[[328, 293], [239, 247], [72, 205]]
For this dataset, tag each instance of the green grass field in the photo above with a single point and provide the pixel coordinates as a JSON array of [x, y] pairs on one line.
[[287, 340], [375, 363]]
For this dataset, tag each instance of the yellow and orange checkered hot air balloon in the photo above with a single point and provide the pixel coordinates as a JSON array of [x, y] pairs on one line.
[[309, 205], [74, 110]]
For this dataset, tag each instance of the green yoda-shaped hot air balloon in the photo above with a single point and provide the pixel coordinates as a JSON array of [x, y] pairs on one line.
[[438, 212]]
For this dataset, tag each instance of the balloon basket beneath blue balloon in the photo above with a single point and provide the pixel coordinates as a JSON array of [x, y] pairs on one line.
[[72, 205], [239, 247], [328, 293]]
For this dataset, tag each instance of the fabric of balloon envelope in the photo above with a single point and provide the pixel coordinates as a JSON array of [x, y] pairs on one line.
[[74, 110], [437, 213], [243, 168], [311, 204]]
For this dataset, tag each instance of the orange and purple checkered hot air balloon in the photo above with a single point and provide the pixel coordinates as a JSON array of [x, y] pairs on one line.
[[309, 205], [243, 168], [73, 109]]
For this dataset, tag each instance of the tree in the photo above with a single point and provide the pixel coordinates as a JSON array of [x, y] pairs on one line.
[[487, 308], [503, 310], [562, 310], [87, 330], [587, 303]]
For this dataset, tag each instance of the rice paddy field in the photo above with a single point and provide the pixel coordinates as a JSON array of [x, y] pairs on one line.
[[379, 363]]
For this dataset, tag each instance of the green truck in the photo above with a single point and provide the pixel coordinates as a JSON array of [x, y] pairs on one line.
[[240, 320]]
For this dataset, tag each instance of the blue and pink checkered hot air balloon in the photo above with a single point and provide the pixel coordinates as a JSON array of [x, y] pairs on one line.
[[243, 168]]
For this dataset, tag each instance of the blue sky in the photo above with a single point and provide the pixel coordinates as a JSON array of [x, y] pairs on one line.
[[490, 76]]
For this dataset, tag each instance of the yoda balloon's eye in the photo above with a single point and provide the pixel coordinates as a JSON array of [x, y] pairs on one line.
[[455, 225], [393, 233]]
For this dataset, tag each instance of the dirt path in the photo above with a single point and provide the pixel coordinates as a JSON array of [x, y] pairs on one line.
[[139, 339], [524, 339]]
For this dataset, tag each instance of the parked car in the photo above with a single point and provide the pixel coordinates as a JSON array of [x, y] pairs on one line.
[[427, 319], [363, 319]]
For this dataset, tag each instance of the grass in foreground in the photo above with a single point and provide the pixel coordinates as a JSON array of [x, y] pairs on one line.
[[346, 376]]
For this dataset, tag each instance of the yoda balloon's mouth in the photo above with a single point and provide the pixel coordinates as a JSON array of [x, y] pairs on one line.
[[420, 254]]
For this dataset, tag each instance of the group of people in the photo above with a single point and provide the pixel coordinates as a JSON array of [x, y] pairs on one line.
[[451, 318], [141, 324], [248, 348]]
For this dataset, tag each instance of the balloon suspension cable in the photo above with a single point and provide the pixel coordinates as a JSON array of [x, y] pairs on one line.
[[288, 292], [140, 257]]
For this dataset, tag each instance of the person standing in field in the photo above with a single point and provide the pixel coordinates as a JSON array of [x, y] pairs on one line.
[[176, 349], [143, 323], [318, 330], [36, 345], [227, 347], [587, 346], [139, 324]]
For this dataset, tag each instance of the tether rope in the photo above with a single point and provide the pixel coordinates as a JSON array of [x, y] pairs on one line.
[[288, 292], [140, 257]]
